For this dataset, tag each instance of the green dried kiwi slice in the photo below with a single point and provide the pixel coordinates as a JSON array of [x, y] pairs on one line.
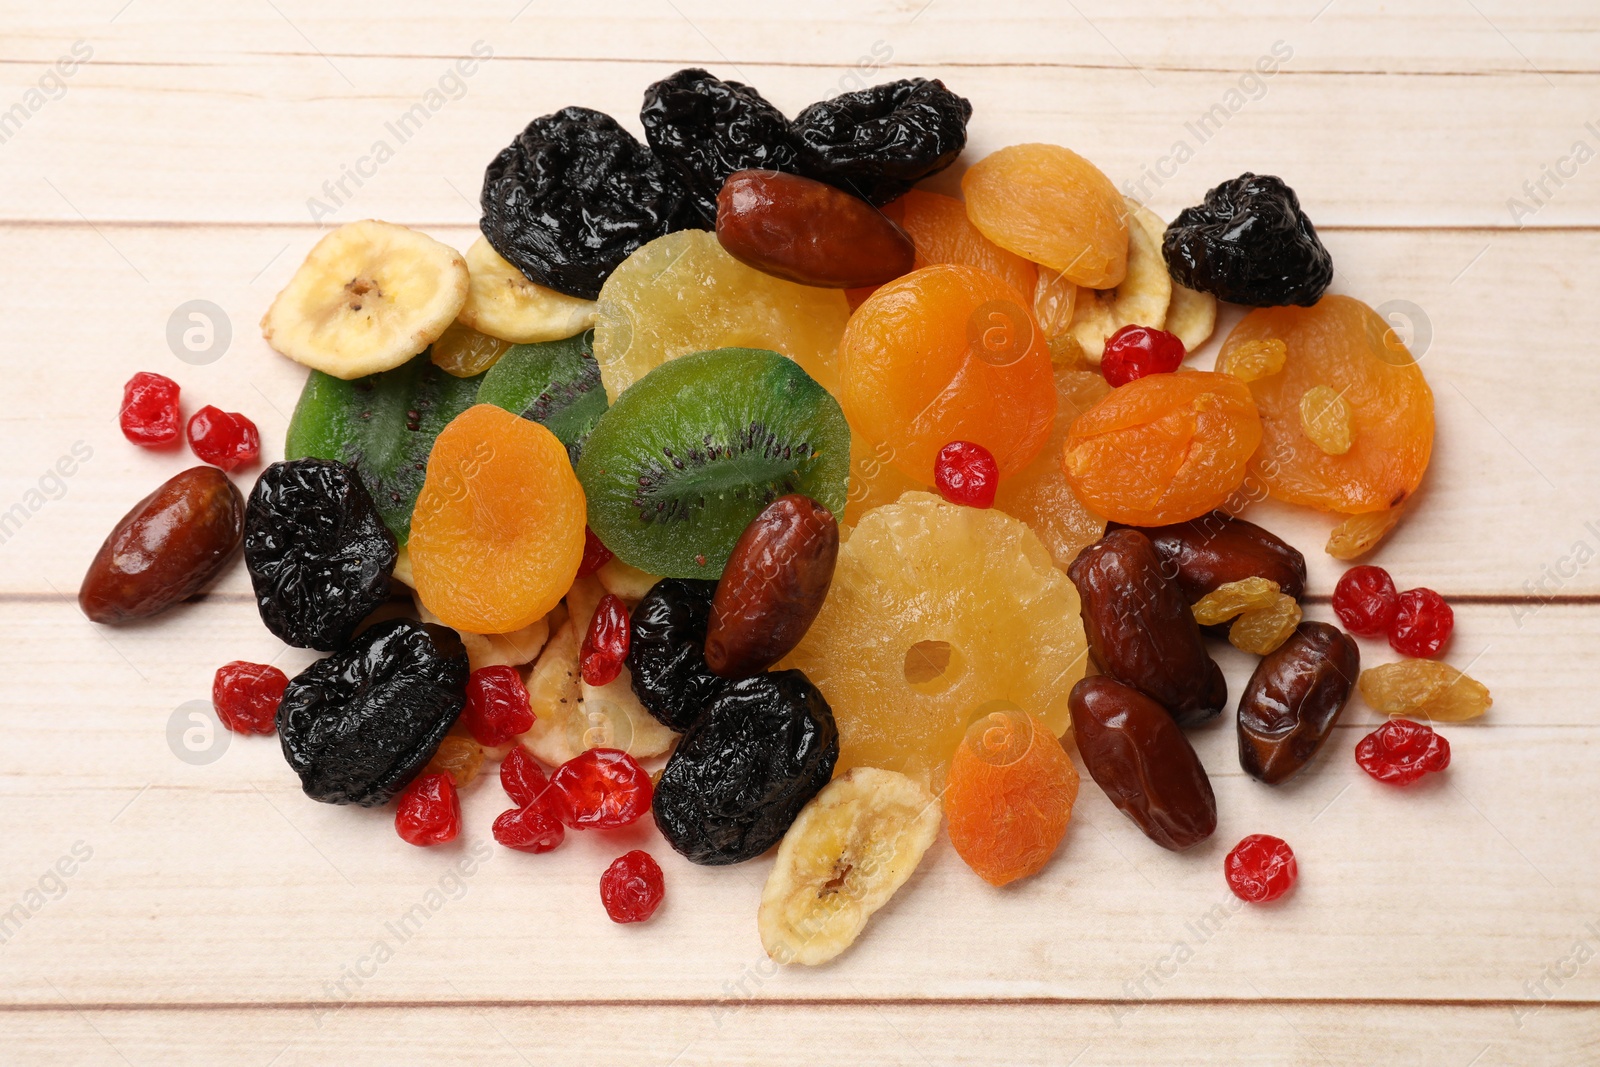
[[556, 383], [384, 426], [691, 453]]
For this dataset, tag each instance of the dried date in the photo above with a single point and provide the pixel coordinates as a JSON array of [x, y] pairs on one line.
[[1216, 549], [1293, 699]]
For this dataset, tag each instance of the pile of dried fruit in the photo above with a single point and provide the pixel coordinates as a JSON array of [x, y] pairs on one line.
[[607, 450]]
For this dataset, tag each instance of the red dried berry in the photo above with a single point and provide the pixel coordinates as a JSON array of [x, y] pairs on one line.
[[531, 828], [601, 789], [429, 811], [1365, 600], [150, 409], [1260, 868], [522, 778], [497, 707], [223, 439], [966, 473], [1401, 751], [1422, 625], [605, 645], [632, 887], [595, 554], [246, 696], [1135, 351]]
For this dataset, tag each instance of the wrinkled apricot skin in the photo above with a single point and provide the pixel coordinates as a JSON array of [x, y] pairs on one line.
[[1052, 206], [947, 353], [1164, 448], [1341, 344], [942, 233], [497, 534]]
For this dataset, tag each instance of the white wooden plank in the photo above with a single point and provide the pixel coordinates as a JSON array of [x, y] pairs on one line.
[[1268, 1034]]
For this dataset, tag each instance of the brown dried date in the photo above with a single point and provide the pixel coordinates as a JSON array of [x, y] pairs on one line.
[[772, 587], [1293, 699], [809, 232], [1138, 755], [1216, 549], [1140, 629], [166, 549]]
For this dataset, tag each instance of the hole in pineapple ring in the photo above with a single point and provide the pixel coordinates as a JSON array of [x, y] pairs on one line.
[[931, 666], [1001, 736]]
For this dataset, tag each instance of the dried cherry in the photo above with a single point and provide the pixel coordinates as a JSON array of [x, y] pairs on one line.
[[522, 778], [879, 141], [600, 789], [666, 651], [224, 439], [534, 827], [246, 696], [360, 724], [595, 554], [1366, 600], [965, 473], [573, 196], [1249, 243], [632, 887], [605, 642], [497, 707], [429, 812], [1135, 351], [149, 414], [319, 554], [1293, 699], [1401, 751], [743, 771], [1422, 623], [1260, 868]]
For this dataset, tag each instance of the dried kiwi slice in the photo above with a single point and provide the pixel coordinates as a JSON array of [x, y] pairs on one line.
[[693, 451], [556, 383], [384, 426]]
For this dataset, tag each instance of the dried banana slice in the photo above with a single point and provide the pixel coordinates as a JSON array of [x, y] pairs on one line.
[[1191, 315], [625, 582], [1141, 299], [852, 846], [503, 303], [369, 297]]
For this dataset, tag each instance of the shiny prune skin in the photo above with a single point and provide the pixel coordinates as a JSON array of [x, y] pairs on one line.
[[573, 196], [1140, 629], [318, 552], [706, 128], [666, 651], [879, 141], [1293, 699], [1249, 243], [764, 747], [1139, 756], [1216, 549], [358, 725], [167, 548]]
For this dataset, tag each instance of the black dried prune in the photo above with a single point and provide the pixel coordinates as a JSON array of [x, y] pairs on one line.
[[360, 724], [764, 747], [318, 553], [1249, 243], [877, 142], [666, 651], [706, 128], [573, 196]]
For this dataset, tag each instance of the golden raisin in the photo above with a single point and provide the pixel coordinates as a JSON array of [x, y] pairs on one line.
[[1360, 534], [1231, 598], [1325, 417], [1427, 688], [464, 352], [1255, 360], [1262, 629], [458, 756]]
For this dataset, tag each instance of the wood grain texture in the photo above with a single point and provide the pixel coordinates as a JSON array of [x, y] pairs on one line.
[[159, 908]]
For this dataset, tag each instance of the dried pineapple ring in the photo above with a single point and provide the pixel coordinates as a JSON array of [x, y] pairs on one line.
[[936, 613], [1140, 299]]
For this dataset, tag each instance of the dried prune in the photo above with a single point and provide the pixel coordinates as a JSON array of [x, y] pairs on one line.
[[666, 651], [1249, 243], [319, 555], [706, 128], [764, 747], [360, 724], [877, 142], [1135, 752], [573, 195], [1293, 699], [1216, 549], [1140, 629], [166, 549]]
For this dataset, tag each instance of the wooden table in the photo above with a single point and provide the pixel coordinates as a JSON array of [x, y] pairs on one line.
[[156, 908]]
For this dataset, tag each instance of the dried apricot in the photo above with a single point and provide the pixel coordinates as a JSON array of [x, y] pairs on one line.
[[1053, 206], [1345, 346], [1010, 795], [1164, 448], [497, 534], [947, 353], [942, 233]]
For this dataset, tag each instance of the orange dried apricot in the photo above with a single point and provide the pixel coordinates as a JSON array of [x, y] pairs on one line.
[[1344, 346], [497, 534], [1164, 448], [1052, 206], [940, 229], [947, 353], [1009, 795]]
